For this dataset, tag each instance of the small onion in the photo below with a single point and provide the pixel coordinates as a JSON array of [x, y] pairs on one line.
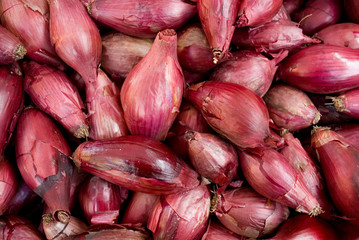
[[340, 34], [348, 103], [11, 49]]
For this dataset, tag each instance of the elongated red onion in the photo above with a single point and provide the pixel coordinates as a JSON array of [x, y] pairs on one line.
[[318, 14], [290, 108], [349, 132], [136, 162], [11, 48], [351, 9], [218, 21], [322, 69], [28, 20], [41, 155], [8, 184], [100, 200], [105, 114], [279, 35], [348, 103], [247, 213], [305, 227], [80, 48], [212, 157], [245, 123], [152, 92], [142, 18], [249, 69], [340, 34], [254, 13], [309, 171], [11, 102], [181, 216], [271, 175], [339, 161], [217, 231], [292, 5], [47, 87], [139, 208], [193, 50], [282, 14], [121, 53], [15, 227]]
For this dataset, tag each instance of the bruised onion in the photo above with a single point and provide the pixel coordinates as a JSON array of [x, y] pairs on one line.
[[322, 68], [341, 34], [270, 174], [47, 87], [137, 163], [348, 103], [141, 18], [15, 227], [8, 184], [218, 21], [152, 92], [290, 108], [11, 48], [75, 37], [181, 216], [42, 158]]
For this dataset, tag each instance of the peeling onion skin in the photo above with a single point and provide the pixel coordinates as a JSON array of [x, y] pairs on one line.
[[349, 131]]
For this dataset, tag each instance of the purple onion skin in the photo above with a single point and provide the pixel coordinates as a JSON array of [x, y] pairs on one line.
[[254, 13], [348, 103], [212, 157], [349, 132], [217, 231], [340, 34], [80, 49], [305, 227], [41, 155], [322, 69], [351, 9], [249, 69], [11, 48], [144, 18], [290, 108], [181, 216], [270, 174], [106, 117], [152, 92], [244, 123], [218, 21], [136, 162], [318, 14], [28, 20], [292, 5], [8, 184], [282, 14], [249, 214], [43, 83], [15, 227], [12, 102], [339, 161]]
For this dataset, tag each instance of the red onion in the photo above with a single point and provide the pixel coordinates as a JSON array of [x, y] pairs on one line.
[[247, 213], [218, 21], [282, 14], [292, 5], [139, 208], [75, 37], [41, 155], [290, 108], [271, 175], [245, 123], [47, 87], [8, 184], [346, 230], [181, 216], [100, 200], [339, 161], [28, 20], [241, 39], [349, 132], [217, 231], [255, 13], [78, 176], [14, 227], [136, 162], [11, 48], [152, 92], [341, 34], [305, 227], [351, 9], [121, 53], [192, 77], [11, 102], [348, 103], [318, 14], [212, 157], [142, 18], [105, 114], [278, 35], [194, 52], [322, 69], [249, 69], [309, 171]]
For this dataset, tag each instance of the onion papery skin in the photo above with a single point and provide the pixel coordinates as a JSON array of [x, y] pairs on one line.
[[340, 34]]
